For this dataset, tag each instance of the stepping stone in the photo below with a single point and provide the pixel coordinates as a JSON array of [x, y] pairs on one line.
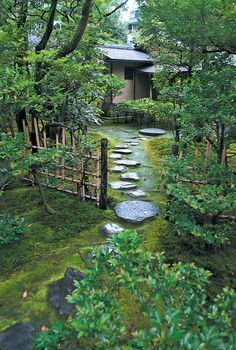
[[17, 337], [143, 138], [137, 193], [108, 230], [136, 211], [115, 156], [122, 151], [122, 185], [127, 162], [58, 291], [134, 143], [152, 132], [129, 176], [118, 168], [128, 131], [121, 147]]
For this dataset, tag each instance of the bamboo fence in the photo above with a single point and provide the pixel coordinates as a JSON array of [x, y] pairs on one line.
[[78, 172]]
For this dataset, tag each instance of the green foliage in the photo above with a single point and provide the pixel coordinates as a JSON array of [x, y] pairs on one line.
[[146, 111], [200, 196], [11, 227], [170, 302]]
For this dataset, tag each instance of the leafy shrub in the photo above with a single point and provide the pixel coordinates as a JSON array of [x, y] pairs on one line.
[[132, 299], [146, 111], [201, 198], [10, 228]]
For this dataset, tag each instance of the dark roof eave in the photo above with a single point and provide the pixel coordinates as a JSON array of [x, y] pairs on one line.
[[121, 60]]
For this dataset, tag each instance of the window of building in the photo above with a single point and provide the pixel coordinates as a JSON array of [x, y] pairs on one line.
[[129, 73]]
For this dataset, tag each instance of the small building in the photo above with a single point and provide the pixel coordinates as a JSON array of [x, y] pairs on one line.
[[131, 65]]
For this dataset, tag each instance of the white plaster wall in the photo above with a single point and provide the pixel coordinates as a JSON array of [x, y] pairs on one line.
[[128, 91]]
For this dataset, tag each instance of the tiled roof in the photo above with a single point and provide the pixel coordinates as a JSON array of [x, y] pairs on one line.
[[125, 53]]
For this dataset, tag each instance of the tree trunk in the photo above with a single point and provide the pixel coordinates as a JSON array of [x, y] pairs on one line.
[[41, 191]]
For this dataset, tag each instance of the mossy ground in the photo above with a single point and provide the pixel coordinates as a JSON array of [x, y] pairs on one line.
[[41, 255], [54, 242]]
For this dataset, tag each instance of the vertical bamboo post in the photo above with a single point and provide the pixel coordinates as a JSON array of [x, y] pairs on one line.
[[104, 146], [82, 189], [36, 132], [44, 138], [207, 152], [74, 171], [98, 178], [223, 158], [63, 158], [57, 160]]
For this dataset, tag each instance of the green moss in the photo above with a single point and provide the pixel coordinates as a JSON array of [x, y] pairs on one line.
[[52, 243], [157, 148]]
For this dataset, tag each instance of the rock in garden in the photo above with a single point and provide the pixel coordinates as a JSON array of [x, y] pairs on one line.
[[118, 168], [108, 230], [137, 193], [122, 151], [134, 143], [129, 176], [127, 162], [122, 185], [58, 291], [136, 211], [17, 337], [115, 156], [152, 132], [121, 147]]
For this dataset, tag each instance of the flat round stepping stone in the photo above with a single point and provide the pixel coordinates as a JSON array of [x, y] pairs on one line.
[[129, 176], [108, 230], [115, 156], [121, 147], [143, 138], [137, 193], [127, 162], [134, 143], [58, 291], [17, 337], [122, 151], [136, 211], [118, 168], [122, 185], [152, 132]]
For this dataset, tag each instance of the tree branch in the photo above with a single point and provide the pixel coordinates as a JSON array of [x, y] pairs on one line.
[[49, 28], [116, 9], [73, 44]]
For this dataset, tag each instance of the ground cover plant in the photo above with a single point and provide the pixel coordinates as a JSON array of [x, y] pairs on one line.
[[131, 299]]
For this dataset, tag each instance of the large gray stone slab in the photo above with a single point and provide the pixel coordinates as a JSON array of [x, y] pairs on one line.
[[108, 230], [152, 132], [129, 176], [137, 193], [115, 156], [136, 211], [17, 337], [122, 151], [127, 162], [121, 147], [122, 185], [118, 168], [133, 144], [58, 291]]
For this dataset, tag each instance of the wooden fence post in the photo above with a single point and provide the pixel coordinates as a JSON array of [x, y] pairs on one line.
[[104, 145]]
